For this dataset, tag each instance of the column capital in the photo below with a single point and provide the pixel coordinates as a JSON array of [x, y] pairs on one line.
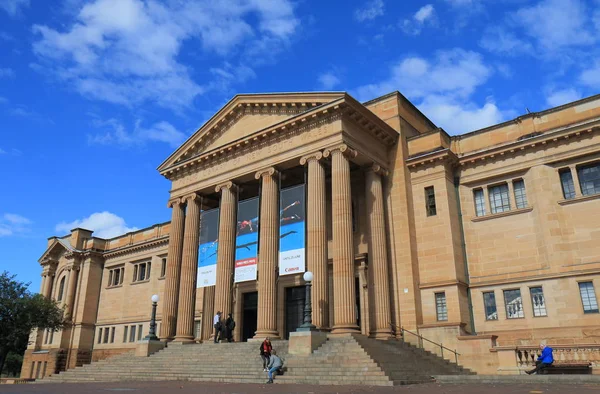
[[311, 156], [377, 169], [174, 201], [72, 267], [270, 171], [226, 185], [344, 149], [191, 197]]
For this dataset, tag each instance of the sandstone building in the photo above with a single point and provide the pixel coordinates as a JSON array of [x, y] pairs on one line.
[[487, 242]]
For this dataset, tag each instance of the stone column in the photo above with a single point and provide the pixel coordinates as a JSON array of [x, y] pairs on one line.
[[226, 252], [344, 298], [267, 258], [71, 286], [189, 271], [317, 239], [169, 314], [378, 267], [208, 304]]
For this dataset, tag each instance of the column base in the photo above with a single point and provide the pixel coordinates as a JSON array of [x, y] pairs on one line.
[[381, 334], [345, 329], [184, 339], [272, 334]]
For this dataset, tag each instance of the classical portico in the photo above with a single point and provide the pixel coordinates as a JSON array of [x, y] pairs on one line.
[[326, 141]]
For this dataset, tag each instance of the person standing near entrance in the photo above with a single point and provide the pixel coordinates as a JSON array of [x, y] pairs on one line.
[[217, 325], [265, 352], [229, 327]]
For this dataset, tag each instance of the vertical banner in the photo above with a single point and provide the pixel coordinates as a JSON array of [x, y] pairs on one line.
[[246, 241], [292, 231], [207, 250]]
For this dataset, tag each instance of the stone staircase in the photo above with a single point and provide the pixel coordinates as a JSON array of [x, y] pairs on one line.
[[351, 360]]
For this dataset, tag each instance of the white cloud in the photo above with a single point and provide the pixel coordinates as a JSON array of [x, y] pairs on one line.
[[13, 7], [564, 96], [557, 23], [103, 224], [6, 73], [115, 133], [442, 88], [328, 80], [126, 51], [425, 15], [591, 76], [501, 41], [13, 224], [2, 151], [371, 10]]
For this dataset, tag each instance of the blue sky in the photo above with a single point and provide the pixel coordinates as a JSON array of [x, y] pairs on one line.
[[95, 94]]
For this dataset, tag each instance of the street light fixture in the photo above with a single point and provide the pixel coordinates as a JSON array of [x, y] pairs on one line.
[[307, 325], [152, 335]]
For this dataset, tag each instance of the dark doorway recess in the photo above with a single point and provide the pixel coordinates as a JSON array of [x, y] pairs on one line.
[[294, 308], [249, 315]]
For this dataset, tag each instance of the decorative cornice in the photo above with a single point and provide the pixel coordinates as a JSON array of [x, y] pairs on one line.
[[343, 149], [226, 185], [312, 156], [442, 156], [137, 248], [270, 171]]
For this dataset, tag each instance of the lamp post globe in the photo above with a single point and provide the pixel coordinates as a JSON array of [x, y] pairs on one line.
[[152, 334], [307, 325]]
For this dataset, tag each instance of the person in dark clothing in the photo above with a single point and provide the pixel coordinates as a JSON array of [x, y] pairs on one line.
[[229, 327], [544, 360], [265, 352]]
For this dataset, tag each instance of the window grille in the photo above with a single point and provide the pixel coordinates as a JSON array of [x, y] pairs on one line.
[[588, 297], [538, 302], [589, 179], [566, 181], [513, 303], [499, 201], [520, 195], [479, 202], [440, 306], [430, 201], [489, 302]]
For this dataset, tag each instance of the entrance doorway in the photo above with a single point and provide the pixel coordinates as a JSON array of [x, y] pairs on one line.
[[294, 308], [249, 315]]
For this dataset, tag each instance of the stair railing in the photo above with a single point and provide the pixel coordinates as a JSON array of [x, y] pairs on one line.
[[420, 340]]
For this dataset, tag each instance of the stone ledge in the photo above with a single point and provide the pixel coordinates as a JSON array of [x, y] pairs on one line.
[[501, 215], [579, 199]]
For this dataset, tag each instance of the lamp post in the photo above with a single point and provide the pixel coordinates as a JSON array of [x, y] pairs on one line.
[[152, 335], [307, 325]]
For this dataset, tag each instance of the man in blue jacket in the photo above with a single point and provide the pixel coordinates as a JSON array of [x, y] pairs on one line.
[[543, 361]]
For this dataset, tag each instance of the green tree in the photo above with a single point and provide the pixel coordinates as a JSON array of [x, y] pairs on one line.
[[13, 363], [20, 312]]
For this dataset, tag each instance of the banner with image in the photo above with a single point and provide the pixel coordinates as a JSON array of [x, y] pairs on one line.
[[207, 250], [246, 241], [292, 231]]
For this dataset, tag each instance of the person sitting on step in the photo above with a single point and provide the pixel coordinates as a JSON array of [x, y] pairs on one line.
[[275, 365], [544, 360]]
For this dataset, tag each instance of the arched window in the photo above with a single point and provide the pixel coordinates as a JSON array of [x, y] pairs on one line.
[[61, 289]]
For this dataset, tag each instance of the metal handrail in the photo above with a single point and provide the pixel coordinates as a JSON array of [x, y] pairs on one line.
[[422, 338]]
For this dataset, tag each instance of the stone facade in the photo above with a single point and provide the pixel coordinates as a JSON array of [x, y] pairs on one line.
[[486, 242]]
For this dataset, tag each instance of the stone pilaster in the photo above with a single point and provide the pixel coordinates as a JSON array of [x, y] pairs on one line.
[[171, 297], [378, 267], [317, 239], [208, 305], [267, 259], [226, 252], [71, 287], [343, 249], [189, 270]]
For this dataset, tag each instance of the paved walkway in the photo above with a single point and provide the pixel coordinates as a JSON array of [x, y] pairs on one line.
[[201, 388]]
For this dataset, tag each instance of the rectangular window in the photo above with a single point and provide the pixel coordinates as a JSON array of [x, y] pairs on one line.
[[588, 297], [440, 306], [110, 277], [140, 331], [141, 272], [163, 267], [106, 333], [112, 335], [489, 302], [430, 201], [520, 195], [479, 202], [197, 328], [115, 276], [499, 201], [566, 181], [132, 334], [537, 301], [513, 303], [125, 334], [589, 179], [99, 335], [51, 337]]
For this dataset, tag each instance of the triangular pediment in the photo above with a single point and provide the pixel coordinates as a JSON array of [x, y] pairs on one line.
[[244, 115], [55, 250]]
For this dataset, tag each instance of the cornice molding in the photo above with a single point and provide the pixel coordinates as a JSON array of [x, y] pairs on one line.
[[129, 249], [438, 157]]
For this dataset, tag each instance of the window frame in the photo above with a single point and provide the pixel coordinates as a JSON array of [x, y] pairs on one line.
[[505, 205], [141, 271], [520, 195], [493, 293], [531, 296], [504, 291], [430, 204], [61, 288], [591, 311], [571, 194], [443, 316], [477, 204], [163, 267], [585, 166]]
